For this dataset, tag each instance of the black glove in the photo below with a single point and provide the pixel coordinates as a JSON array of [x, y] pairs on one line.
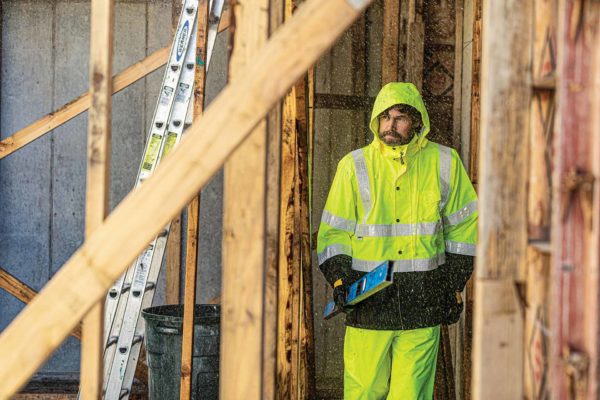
[[453, 309], [339, 296]]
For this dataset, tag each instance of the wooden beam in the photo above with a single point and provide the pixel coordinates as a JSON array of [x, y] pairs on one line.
[[391, 36], [501, 251], [32, 337], [193, 215], [244, 227], [289, 258], [72, 109], [576, 216], [26, 294], [271, 285], [536, 339], [77, 106], [173, 263], [415, 43], [304, 101], [97, 181], [475, 93]]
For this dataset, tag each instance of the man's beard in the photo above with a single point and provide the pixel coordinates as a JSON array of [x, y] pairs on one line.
[[398, 140]]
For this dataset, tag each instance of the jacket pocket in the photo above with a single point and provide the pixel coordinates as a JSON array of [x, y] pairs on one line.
[[429, 206]]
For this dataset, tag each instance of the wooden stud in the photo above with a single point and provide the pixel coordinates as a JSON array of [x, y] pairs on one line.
[[475, 92], [574, 358], [307, 346], [536, 340], [457, 91], [30, 339], [173, 263], [193, 215], [415, 45], [274, 126], [391, 36], [97, 181], [244, 227], [501, 250], [26, 294]]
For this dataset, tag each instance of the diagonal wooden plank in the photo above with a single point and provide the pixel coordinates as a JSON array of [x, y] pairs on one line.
[[32, 337], [72, 109], [21, 291], [79, 105]]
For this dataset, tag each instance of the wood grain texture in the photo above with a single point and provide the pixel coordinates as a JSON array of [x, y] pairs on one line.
[[415, 44], [193, 215], [575, 282], [244, 227], [391, 36], [97, 181], [537, 327], [24, 293], [475, 93], [271, 284], [502, 243], [35, 333], [130, 75]]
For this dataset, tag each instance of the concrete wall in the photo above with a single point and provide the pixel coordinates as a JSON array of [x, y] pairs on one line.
[[45, 48]]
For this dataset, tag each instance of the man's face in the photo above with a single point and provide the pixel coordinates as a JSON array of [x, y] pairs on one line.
[[395, 127]]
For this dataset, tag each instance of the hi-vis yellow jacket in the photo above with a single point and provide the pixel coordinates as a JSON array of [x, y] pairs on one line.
[[408, 204]]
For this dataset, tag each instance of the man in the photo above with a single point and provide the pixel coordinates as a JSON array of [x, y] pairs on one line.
[[407, 200]]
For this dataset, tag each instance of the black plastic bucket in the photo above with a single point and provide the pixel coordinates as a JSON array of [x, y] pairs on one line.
[[164, 326]]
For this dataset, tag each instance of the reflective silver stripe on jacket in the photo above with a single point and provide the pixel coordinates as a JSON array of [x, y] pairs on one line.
[[459, 216], [338, 222], [445, 171], [378, 230], [362, 175], [466, 249], [414, 265], [334, 250]]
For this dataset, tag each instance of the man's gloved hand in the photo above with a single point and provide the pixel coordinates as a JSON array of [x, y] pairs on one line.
[[340, 290]]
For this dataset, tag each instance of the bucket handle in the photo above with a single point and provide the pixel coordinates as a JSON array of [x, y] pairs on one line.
[[167, 330]]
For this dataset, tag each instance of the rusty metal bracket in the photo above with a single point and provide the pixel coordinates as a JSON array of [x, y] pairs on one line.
[[577, 181], [577, 368]]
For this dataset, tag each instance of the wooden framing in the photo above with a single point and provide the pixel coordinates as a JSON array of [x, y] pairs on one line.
[[244, 227], [537, 328], [26, 294], [391, 36], [575, 223], [34, 334], [415, 42], [193, 215], [271, 276], [97, 182], [501, 250]]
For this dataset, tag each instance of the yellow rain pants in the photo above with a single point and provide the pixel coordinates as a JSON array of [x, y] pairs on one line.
[[391, 365]]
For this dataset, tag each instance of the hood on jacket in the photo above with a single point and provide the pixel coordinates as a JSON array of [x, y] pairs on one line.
[[399, 93]]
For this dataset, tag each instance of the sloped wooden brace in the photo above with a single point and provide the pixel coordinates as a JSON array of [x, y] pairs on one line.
[[75, 107]]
